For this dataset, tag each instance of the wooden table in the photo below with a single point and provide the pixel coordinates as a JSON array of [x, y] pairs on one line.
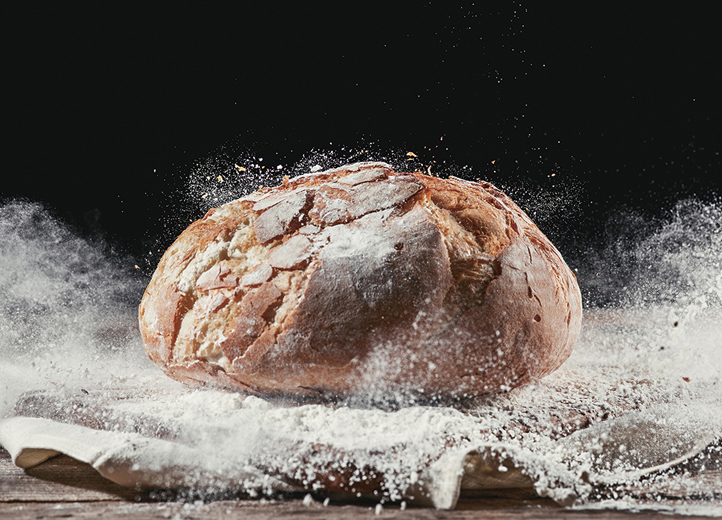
[[65, 488]]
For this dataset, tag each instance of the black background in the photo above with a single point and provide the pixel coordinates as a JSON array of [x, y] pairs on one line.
[[108, 108]]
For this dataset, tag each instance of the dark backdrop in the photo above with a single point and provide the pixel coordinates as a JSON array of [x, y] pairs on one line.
[[577, 109]]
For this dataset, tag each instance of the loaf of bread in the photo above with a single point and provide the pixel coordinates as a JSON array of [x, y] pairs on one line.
[[360, 279]]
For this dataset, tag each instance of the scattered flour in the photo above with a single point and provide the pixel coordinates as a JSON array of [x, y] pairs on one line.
[[74, 355]]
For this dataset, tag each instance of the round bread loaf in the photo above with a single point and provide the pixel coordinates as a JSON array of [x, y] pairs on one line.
[[358, 280]]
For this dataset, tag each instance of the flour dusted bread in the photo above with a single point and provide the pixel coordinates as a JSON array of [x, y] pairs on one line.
[[358, 280]]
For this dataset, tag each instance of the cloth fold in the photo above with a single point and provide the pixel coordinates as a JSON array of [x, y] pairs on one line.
[[618, 450], [129, 459]]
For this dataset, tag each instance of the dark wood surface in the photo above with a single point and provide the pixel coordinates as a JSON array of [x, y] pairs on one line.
[[65, 488]]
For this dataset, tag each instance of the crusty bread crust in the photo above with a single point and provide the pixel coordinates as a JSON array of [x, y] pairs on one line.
[[361, 279]]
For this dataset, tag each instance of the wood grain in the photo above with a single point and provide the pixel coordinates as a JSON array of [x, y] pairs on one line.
[[296, 510]]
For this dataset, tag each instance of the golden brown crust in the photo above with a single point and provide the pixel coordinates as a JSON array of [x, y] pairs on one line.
[[360, 280]]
